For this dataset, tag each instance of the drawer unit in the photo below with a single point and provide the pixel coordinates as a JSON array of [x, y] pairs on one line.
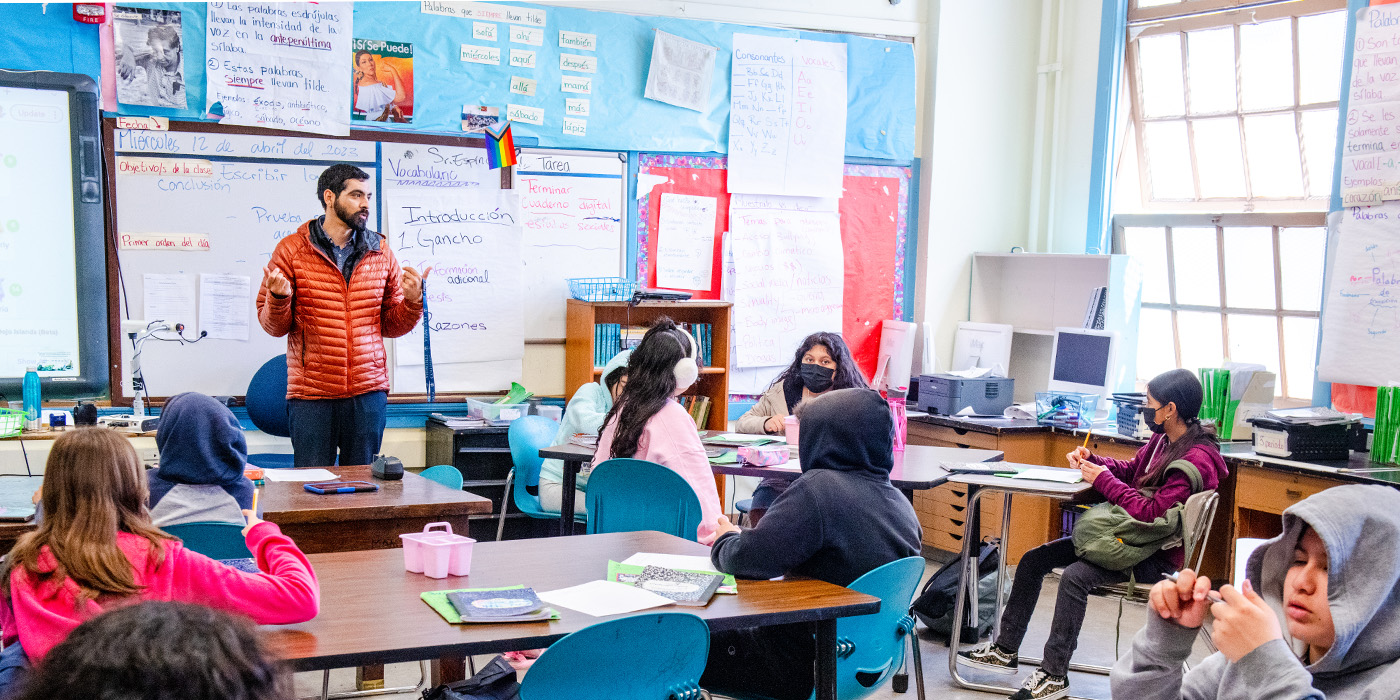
[[1272, 491]]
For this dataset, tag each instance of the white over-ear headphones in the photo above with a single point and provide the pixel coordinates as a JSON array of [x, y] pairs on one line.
[[687, 371]]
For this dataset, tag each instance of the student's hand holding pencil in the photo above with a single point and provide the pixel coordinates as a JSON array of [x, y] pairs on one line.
[[1183, 599], [1243, 622]]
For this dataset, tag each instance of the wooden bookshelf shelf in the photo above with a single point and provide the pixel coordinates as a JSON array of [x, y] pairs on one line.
[[714, 380]]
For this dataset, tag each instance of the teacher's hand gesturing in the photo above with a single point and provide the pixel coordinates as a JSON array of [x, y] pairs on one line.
[[412, 283], [277, 283]]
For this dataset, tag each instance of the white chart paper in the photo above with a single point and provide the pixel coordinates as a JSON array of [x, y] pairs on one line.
[[1361, 324], [279, 65], [685, 241], [789, 274], [787, 123]]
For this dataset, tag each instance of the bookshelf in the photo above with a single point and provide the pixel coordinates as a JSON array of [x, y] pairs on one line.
[[578, 344]]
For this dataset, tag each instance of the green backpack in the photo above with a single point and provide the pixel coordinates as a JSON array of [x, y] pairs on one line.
[[1106, 535]]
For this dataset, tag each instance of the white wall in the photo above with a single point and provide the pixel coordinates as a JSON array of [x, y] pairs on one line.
[[1075, 140], [976, 151]]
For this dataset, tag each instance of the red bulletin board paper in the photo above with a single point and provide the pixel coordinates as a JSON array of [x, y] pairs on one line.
[[693, 181], [869, 219], [869, 235], [1351, 398]]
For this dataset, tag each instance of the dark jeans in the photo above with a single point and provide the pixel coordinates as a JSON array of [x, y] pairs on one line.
[[1078, 579], [320, 427]]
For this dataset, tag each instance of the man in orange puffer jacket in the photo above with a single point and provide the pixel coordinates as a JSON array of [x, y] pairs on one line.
[[336, 291]]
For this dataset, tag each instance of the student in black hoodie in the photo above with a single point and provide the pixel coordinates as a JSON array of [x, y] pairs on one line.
[[838, 521], [202, 457]]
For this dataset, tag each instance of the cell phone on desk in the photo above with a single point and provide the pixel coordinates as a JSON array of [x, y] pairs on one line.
[[328, 487]]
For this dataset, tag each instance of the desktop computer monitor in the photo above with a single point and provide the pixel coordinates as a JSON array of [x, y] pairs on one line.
[[1082, 360], [982, 345]]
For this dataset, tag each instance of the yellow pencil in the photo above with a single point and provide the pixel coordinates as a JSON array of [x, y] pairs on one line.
[[1087, 435], [254, 509]]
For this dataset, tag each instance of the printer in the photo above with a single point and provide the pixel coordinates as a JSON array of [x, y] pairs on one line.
[[948, 394]]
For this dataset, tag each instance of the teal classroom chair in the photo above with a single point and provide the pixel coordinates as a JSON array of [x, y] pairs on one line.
[[266, 402], [629, 495], [870, 648], [444, 474], [656, 656], [527, 436], [215, 540]]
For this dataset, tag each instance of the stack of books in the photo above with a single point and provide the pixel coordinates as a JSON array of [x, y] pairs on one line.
[[611, 338], [698, 407], [455, 422]]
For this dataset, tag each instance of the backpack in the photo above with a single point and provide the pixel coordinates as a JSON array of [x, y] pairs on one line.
[[1107, 536], [934, 606], [495, 681]]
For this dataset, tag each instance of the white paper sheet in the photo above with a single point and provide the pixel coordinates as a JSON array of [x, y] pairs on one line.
[[681, 72], [299, 475], [225, 306], [279, 65], [472, 242], [685, 241], [671, 561], [789, 274], [168, 297], [1064, 476], [787, 123], [602, 598]]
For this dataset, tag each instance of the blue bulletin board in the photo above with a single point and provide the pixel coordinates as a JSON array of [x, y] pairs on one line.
[[881, 112]]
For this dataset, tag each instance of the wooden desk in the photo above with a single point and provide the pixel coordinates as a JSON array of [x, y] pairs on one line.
[[16, 492], [918, 467], [371, 611], [370, 520], [574, 457]]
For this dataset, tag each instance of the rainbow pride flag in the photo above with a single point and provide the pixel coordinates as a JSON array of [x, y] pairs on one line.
[[500, 146]]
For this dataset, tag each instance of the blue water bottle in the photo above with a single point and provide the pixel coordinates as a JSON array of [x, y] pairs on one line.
[[31, 398]]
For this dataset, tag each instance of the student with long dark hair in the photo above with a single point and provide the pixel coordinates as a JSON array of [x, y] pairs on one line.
[[646, 422], [97, 550], [160, 651], [1146, 486], [821, 364]]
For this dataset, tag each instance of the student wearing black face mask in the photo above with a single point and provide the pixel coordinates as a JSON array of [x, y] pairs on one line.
[[1146, 486], [822, 363]]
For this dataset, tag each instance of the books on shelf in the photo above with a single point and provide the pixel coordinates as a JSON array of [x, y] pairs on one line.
[[698, 406], [611, 338], [457, 421]]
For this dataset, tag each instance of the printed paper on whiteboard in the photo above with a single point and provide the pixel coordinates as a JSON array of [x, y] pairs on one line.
[[225, 304], [685, 241], [787, 119], [279, 65], [471, 239], [789, 272], [167, 297]]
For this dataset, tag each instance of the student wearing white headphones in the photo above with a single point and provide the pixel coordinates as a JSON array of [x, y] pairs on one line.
[[647, 423]]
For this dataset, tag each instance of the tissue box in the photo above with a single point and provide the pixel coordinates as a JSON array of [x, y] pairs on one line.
[[764, 455]]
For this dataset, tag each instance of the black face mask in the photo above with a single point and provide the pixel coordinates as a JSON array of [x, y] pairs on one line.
[[1149, 416], [816, 377]]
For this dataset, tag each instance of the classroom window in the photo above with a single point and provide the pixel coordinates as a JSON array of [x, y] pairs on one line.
[[1232, 110], [1237, 287]]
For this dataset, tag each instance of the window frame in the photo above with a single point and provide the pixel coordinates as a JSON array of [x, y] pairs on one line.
[[1273, 220], [1194, 15]]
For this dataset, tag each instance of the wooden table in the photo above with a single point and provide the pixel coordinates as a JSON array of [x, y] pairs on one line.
[[979, 485], [371, 611], [16, 492], [368, 520], [917, 467]]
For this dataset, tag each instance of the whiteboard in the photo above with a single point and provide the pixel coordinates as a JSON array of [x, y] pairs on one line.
[[573, 204], [244, 208]]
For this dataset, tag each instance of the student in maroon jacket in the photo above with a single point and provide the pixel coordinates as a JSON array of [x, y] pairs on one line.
[[1173, 402]]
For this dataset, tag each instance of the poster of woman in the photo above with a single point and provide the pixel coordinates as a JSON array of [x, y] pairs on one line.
[[383, 81]]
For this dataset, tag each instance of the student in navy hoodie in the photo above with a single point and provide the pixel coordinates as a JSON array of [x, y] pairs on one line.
[[839, 520], [202, 456]]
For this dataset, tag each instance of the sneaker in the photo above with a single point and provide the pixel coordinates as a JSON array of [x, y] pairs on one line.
[[990, 657], [1042, 686]]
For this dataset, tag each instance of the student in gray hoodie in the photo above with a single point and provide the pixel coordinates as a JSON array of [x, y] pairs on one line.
[[1318, 617]]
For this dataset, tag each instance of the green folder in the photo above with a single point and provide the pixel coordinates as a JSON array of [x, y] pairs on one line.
[[437, 600]]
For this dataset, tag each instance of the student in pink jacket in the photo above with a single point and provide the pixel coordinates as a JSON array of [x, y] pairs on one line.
[[96, 550], [647, 423]]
